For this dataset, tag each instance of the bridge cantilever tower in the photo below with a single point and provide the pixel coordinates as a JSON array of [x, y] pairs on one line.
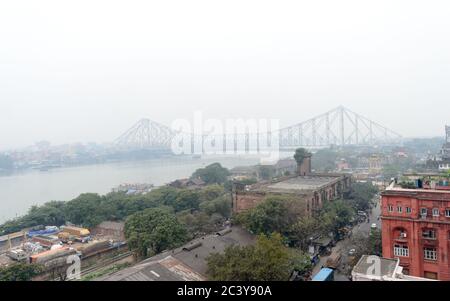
[[337, 127], [146, 134]]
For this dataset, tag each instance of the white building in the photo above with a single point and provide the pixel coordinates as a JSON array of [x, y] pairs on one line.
[[374, 268]]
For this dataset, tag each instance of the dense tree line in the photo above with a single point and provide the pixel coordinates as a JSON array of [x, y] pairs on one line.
[[20, 272], [91, 209]]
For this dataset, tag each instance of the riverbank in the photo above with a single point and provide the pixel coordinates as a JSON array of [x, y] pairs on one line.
[[20, 191]]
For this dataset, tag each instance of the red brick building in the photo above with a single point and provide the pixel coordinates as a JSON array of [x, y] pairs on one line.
[[308, 188], [416, 228]]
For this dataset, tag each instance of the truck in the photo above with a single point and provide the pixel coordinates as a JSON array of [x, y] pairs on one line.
[[66, 237], [17, 255], [325, 274], [45, 241], [94, 248], [76, 231], [78, 234], [334, 260], [44, 257]]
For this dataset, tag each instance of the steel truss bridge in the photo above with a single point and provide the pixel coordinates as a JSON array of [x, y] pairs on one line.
[[340, 127]]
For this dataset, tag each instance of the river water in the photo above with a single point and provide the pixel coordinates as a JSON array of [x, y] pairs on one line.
[[18, 192]]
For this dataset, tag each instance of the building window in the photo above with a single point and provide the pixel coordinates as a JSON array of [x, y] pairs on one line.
[[423, 211], [429, 234], [399, 209], [435, 211], [401, 251], [447, 212], [430, 254], [408, 210], [391, 208]]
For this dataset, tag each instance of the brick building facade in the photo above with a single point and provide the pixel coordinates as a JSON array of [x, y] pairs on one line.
[[311, 189], [416, 229]]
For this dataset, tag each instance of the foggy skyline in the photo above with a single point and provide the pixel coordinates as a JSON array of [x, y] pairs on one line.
[[87, 71]]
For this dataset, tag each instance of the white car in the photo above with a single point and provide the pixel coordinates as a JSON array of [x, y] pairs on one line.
[[374, 226]]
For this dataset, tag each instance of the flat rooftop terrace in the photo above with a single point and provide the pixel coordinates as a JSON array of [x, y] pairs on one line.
[[300, 183]]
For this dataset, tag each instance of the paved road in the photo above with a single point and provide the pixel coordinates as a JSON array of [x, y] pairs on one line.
[[344, 246]]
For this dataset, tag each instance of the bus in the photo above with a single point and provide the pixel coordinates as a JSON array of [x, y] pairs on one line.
[[325, 274]]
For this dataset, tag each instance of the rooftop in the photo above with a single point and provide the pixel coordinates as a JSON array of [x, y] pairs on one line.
[[389, 270], [187, 263], [365, 265], [300, 183], [424, 187]]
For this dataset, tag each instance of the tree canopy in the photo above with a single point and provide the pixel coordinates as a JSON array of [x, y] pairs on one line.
[[212, 174], [268, 260], [274, 214], [154, 230], [20, 272], [301, 154]]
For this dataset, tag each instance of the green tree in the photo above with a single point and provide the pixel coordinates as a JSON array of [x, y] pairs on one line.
[[336, 215], [268, 260], [154, 230], [300, 233], [212, 174], [220, 205], [300, 155], [367, 244], [85, 210], [362, 195], [20, 272], [274, 214]]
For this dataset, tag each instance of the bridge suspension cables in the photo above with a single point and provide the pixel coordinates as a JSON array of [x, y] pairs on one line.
[[339, 126]]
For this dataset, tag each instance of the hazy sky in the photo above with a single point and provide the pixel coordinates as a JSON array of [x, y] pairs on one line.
[[88, 70]]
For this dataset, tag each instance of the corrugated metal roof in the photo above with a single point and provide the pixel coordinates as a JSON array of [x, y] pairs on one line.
[[183, 264]]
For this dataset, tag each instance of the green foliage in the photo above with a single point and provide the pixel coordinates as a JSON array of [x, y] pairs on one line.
[[154, 230], [336, 215], [20, 272], [274, 214], [90, 209], [375, 242], [109, 270], [268, 260], [220, 205], [367, 245], [301, 154], [266, 172], [200, 223], [362, 195], [300, 232], [212, 174]]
